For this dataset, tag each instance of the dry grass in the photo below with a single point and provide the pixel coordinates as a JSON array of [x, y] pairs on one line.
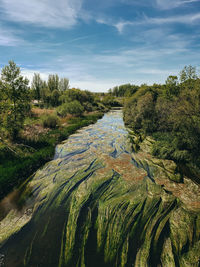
[[39, 111], [34, 131], [64, 121]]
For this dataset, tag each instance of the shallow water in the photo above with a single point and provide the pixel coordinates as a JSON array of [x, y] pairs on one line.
[[95, 204]]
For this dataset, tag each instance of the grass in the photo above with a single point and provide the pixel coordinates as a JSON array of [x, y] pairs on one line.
[[32, 153]]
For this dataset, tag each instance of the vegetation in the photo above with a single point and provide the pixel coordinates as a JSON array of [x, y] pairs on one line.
[[170, 113], [74, 108], [124, 90], [14, 105], [34, 119], [50, 120]]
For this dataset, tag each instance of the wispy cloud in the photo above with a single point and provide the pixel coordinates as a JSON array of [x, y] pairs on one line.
[[160, 4], [135, 65], [48, 13], [184, 19], [170, 4], [9, 38], [193, 18], [122, 24]]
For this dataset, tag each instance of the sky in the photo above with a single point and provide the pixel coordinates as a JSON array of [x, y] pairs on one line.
[[98, 44]]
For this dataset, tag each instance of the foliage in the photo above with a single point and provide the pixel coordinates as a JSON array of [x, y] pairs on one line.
[[56, 92], [54, 100], [37, 86], [53, 82], [77, 94], [171, 114], [14, 100], [63, 84], [46, 95], [73, 108], [50, 120], [126, 90], [110, 101]]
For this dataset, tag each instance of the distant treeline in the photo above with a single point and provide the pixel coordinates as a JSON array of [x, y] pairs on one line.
[[123, 90], [170, 113], [56, 91]]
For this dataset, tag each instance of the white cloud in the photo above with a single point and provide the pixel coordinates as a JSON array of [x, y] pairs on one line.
[[29, 73], [94, 85], [121, 25], [170, 4], [182, 19], [163, 53], [9, 38], [48, 13]]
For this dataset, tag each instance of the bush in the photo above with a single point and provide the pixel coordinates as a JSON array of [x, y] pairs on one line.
[[49, 121], [74, 108]]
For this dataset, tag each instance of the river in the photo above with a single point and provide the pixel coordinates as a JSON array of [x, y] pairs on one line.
[[99, 204]]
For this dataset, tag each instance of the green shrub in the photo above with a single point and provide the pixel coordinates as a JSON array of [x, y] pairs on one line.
[[88, 106], [49, 120], [74, 108]]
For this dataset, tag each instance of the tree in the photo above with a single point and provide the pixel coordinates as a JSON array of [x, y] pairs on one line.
[[45, 94], [172, 88], [37, 85], [15, 101], [187, 77], [63, 84], [53, 82], [55, 98]]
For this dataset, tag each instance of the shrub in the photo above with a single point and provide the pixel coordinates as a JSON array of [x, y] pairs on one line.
[[49, 120], [74, 108]]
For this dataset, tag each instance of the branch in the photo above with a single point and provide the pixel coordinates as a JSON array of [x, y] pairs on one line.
[[26, 146], [8, 146]]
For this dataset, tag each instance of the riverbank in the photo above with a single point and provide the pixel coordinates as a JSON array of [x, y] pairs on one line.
[[29, 154]]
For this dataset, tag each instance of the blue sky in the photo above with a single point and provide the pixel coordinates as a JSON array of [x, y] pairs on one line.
[[98, 44]]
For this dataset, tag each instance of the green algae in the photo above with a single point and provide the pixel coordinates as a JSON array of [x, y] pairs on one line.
[[99, 204]]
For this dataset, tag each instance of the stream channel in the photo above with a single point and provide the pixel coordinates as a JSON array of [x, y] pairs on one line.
[[97, 203]]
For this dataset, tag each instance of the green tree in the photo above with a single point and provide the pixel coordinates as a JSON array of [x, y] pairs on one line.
[[63, 84], [37, 85], [188, 76], [53, 82], [55, 98], [15, 101], [172, 88], [45, 94]]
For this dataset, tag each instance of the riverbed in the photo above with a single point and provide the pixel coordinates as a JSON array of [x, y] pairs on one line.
[[99, 204]]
